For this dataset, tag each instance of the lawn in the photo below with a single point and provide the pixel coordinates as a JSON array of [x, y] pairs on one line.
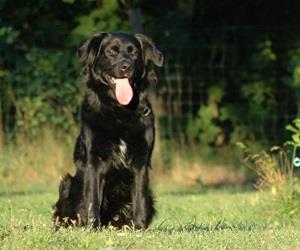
[[187, 218]]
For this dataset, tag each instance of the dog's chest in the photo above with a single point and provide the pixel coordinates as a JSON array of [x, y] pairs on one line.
[[130, 151], [122, 155], [124, 139]]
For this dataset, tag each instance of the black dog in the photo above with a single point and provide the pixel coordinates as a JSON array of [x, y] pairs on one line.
[[114, 147]]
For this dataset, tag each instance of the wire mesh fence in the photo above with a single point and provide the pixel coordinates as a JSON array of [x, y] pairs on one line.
[[212, 94], [190, 88]]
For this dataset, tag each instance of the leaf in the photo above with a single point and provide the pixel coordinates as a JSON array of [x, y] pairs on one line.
[[296, 138], [241, 145], [216, 93], [297, 123], [291, 128]]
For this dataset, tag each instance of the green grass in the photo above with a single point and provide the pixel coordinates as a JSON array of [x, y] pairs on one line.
[[188, 218]]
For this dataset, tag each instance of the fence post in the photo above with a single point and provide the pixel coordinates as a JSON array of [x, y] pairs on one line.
[[135, 20]]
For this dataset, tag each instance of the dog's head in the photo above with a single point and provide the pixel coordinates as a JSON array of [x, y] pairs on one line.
[[121, 61]]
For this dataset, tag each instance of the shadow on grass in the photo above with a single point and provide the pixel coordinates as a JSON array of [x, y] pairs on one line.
[[219, 226], [168, 229]]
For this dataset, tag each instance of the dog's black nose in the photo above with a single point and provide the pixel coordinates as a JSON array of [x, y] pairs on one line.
[[125, 65]]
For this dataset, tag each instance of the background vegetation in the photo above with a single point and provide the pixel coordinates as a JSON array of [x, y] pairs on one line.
[[232, 74]]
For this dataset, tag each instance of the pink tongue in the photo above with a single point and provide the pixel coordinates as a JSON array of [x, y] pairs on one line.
[[124, 91]]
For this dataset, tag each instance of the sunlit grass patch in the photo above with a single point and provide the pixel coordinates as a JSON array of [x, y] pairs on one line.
[[187, 218]]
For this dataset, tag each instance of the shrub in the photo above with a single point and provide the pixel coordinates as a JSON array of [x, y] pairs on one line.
[[275, 172]]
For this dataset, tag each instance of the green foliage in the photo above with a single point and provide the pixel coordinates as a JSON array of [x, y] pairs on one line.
[[231, 81], [39, 73], [294, 67], [294, 142], [69, 1], [8, 35], [257, 93], [295, 129], [204, 127], [266, 53], [238, 107], [107, 18], [51, 94]]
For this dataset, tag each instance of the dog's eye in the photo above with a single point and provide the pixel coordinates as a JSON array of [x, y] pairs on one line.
[[129, 49], [132, 51], [114, 50]]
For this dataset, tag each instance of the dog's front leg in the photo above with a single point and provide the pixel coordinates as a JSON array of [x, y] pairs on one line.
[[94, 182], [140, 199]]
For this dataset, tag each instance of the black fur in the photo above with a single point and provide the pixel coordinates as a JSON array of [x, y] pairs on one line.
[[113, 150]]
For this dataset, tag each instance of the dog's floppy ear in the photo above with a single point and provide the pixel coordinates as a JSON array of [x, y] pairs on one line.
[[91, 48], [150, 52]]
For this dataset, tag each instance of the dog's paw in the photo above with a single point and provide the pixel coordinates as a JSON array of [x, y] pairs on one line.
[[139, 224]]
